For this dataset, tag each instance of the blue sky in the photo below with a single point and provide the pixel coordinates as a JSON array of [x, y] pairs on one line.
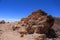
[[14, 10]]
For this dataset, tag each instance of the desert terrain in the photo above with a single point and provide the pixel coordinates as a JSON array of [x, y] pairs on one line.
[[8, 32]]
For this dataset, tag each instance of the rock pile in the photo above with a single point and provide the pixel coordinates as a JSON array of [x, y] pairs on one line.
[[38, 22]]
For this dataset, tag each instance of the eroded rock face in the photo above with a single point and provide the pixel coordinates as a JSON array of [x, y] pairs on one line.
[[38, 22]]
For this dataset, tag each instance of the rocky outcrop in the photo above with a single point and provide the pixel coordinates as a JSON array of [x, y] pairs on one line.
[[2, 22], [38, 23]]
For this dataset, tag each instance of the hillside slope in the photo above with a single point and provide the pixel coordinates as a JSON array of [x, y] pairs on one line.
[[56, 26]]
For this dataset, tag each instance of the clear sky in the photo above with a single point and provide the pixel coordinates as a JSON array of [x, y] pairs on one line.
[[12, 10]]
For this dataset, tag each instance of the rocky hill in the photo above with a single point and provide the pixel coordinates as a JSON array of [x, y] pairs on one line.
[[36, 26]]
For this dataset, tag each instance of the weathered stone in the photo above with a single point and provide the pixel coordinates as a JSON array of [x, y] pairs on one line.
[[38, 22], [39, 36]]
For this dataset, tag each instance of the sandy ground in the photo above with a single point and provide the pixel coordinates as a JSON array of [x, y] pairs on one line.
[[15, 36], [6, 33]]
